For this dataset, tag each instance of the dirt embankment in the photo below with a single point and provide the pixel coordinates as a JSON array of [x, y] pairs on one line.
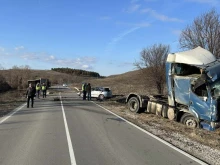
[[10, 100]]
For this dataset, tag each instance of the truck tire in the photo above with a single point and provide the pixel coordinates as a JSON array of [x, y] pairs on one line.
[[134, 105], [189, 120]]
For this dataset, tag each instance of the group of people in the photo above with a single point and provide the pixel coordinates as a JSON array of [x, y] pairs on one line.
[[42, 88], [33, 91], [86, 89]]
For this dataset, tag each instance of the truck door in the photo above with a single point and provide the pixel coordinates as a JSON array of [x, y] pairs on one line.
[[200, 102]]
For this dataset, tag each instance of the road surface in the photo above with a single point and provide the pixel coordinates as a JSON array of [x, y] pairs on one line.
[[75, 131]]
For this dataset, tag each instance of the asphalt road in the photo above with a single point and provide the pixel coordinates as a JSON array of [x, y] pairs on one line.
[[73, 131]]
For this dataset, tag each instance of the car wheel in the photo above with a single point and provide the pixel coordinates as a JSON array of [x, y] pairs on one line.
[[101, 97], [189, 120]]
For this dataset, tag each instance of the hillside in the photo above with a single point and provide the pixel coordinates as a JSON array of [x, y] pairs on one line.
[[121, 84], [133, 81], [17, 78]]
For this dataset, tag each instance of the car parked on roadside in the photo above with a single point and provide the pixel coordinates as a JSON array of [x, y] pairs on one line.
[[99, 93], [65, 85]]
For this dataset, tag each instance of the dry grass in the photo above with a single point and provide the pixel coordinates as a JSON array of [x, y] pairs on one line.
[[55, 77], [126, 83], [10, 100]]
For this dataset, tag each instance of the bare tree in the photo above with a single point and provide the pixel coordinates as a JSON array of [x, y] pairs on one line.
[[154, 57], [25, 73], [18, 76], [204, 32]]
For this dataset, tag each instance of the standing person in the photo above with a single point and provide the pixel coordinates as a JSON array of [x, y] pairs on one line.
[[88, 89], [30, 95], [38, 90], [84, 91], [44, 90]]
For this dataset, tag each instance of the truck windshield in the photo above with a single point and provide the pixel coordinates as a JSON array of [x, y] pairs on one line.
[[215, 88]]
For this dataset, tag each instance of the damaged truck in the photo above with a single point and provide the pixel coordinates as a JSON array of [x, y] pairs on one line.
[[193, 87], [40, 81]]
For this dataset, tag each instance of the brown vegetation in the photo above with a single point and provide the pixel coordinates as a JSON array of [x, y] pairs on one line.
[[154, 57], [17, 78], [10, 100], [138, 81]]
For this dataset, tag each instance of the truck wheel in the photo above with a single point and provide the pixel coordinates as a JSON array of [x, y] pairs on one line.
[[134, 105], [189, 120]]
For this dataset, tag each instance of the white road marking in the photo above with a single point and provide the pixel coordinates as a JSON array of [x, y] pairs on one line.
[[12, 113], [159, 139], [70, 146]]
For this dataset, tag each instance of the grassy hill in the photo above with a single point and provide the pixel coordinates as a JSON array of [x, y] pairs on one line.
[[17, 78], [134, 81], [122, 84]]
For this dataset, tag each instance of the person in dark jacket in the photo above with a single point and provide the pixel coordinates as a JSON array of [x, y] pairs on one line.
[[31, 91], [88, 89]]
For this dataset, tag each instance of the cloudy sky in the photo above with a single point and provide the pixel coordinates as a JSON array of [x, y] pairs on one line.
[[105, 36]]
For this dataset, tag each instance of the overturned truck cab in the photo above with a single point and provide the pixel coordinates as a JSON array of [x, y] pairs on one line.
[[193, 84]]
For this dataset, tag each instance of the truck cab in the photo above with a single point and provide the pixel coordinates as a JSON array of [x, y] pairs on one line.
[[193, 84], [193, 91]]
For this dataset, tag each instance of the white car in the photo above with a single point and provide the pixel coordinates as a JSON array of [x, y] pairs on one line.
[[64, 85], [99, 93]]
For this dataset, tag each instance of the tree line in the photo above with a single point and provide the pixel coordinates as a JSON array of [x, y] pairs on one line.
[[77, 72], [204, 31]]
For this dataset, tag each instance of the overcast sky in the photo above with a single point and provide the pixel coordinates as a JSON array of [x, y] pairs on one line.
[[104, 36]]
